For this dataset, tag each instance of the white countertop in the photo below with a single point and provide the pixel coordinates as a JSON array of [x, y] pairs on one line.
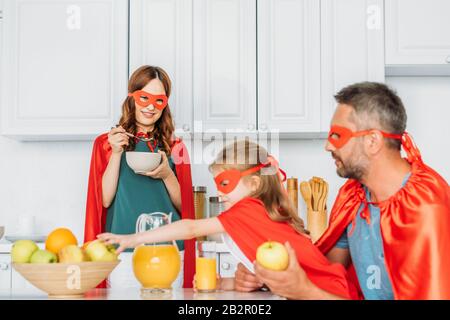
[[134, 294]]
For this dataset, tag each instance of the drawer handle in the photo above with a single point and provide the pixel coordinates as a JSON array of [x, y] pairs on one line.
[[186, 128], [4, 266], [226, 266]]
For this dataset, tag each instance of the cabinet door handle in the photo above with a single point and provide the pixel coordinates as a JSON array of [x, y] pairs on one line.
[[226, 266], [4, 266]]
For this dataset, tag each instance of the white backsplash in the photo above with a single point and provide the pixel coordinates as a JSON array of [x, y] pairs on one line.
[[49, 179]]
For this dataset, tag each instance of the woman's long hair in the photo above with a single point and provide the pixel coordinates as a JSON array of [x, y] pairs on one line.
[[243, 155], [164, 127]]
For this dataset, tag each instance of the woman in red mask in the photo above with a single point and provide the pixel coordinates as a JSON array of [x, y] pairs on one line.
[[257, 209], [116, 194]]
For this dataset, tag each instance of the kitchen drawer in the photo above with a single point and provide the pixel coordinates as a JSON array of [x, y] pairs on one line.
[[5, 271], [227, 265]]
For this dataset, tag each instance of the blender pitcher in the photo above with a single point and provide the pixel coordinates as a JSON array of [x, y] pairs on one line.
[[155, 265]]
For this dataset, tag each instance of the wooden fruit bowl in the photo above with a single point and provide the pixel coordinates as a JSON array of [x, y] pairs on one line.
[[66, 280]]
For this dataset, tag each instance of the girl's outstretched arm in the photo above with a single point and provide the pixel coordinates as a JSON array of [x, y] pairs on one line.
[[179, 230]]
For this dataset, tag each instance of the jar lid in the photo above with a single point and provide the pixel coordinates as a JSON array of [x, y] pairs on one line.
[[215, 199], [199, 189]]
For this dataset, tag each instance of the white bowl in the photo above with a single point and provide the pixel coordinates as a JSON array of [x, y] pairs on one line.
[[142, 162]]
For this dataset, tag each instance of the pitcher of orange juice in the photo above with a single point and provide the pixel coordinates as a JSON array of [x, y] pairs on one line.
[[155, 265]]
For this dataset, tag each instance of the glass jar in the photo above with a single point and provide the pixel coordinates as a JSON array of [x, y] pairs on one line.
[[216, 207], [199, 204]]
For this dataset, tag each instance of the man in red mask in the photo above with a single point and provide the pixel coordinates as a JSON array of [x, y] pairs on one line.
[[389, 224]]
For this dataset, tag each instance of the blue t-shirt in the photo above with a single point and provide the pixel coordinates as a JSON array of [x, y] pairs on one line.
[[366, 250]]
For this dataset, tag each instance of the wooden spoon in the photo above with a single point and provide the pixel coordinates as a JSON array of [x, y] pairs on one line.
[[305, 190], [315, 193], [325, 195], [321, 189]]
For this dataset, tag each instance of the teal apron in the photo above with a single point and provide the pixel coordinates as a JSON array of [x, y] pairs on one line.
[[137, 194]]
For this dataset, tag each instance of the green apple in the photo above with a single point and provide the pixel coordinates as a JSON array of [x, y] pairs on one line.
[[72, 254], [43, 256], [98, 251], [272, 255], [22, 251]]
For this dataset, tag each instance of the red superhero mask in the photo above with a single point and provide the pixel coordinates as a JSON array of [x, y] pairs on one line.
[[339, 136], [144, 99], [228, 180]]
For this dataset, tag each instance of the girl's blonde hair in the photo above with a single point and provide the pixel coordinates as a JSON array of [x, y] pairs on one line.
[[243, 155]]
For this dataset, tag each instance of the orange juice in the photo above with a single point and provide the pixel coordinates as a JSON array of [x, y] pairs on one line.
[[156, 266], [205, 274]]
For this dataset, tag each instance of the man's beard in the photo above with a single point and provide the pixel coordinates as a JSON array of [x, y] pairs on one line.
[[353, 169]]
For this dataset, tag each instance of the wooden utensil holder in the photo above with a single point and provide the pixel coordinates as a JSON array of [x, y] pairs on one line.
[[317, 222]]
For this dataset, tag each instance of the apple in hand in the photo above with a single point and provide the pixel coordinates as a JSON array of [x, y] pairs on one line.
[[98, 251], [22, 251], [272, 255], [43, 256]]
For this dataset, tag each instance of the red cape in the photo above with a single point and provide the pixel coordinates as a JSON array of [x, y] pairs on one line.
[[96, 213], [248, 223], [414, 225]]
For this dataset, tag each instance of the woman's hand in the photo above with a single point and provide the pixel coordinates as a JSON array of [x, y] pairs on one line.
[[117, 139], [163, 171], [245, 281], [124, 241]]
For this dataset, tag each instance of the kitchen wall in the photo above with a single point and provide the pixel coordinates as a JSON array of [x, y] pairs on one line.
[[49, 179]]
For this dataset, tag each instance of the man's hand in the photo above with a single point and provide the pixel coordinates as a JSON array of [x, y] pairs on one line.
[[245, 281], [293, 283]]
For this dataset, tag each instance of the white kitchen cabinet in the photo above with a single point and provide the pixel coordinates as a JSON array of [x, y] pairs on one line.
[[5, 271], [289, 65], [417, 32], [9, 278], [225, 64], [161, 35], [352, 48], [64, 67]]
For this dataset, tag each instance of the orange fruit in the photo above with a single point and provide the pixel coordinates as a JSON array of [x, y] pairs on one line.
[[58, 239]]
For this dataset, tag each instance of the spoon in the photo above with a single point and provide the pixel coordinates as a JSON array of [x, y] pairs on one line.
[[133, 136], [140, 138], [305, 190]]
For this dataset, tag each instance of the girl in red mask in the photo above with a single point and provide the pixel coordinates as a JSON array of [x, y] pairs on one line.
[[257, 209]]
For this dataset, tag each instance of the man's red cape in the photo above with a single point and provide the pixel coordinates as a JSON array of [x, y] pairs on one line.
[[96, 213], [414, 225]]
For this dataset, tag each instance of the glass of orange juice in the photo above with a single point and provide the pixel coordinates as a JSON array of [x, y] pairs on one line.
[[155, 265], [206, 266]]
